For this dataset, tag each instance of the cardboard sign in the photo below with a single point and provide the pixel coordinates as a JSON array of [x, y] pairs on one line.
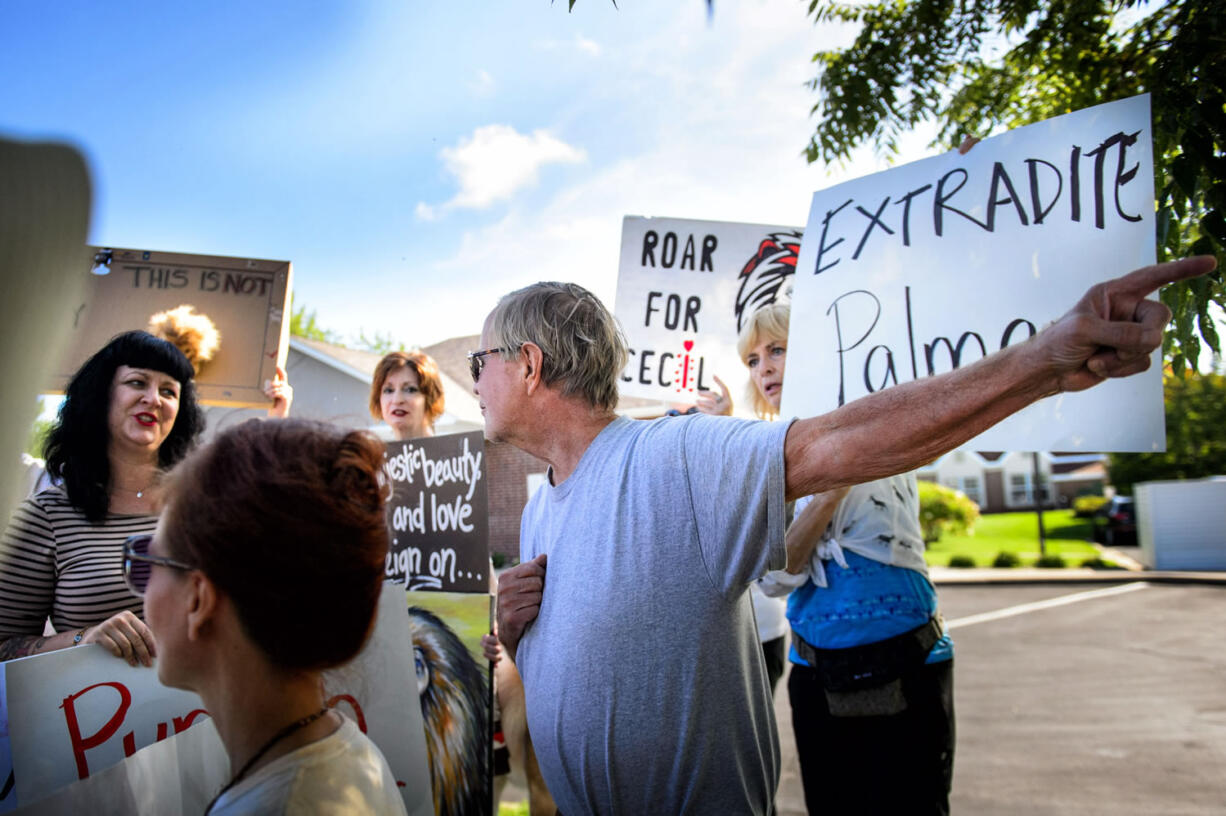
[[933, 265], [75, 712], [684, 290], [439, 515], [248, 300]]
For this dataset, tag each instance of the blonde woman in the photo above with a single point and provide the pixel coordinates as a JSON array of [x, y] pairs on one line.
[[871, 686]]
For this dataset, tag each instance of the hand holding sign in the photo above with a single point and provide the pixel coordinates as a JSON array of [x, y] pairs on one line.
[[281, 393], [1113, 329], [124, 635], [715, 405], [1110, 333]]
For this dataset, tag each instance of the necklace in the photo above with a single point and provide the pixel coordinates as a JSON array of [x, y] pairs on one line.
[[139, 493], [293, 727]]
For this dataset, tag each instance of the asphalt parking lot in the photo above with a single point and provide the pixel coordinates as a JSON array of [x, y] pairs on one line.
[[1080, 699]]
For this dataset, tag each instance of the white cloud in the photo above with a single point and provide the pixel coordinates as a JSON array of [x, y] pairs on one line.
[[729, 150], [497, 161], [589, 47], [710, 120], [482, 84], [425, 212], [580, 43]]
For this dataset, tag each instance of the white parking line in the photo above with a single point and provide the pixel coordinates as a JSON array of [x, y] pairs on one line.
[[1022, 609]]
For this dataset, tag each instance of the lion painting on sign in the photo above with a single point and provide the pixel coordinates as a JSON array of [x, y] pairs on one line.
[[453, 691], [768, 275]]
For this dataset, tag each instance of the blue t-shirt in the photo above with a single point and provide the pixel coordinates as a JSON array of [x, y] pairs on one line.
[[865, 603]]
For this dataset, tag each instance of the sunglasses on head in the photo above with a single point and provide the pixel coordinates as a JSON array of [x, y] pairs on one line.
[[138, 563], [476, 361]]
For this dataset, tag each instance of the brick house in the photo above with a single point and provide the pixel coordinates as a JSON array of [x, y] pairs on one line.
[[1002, 481]]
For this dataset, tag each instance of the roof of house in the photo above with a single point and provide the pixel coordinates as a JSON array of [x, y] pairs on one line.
[[356, 363], [995, 460]]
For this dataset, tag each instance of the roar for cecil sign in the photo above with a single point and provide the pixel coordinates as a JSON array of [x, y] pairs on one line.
[[685, 289]]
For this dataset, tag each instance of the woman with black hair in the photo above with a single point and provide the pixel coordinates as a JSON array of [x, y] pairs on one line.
[[130, 412]]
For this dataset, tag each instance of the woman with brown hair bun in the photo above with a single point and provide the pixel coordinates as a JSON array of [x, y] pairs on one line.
[[407, 393], [266, 570]]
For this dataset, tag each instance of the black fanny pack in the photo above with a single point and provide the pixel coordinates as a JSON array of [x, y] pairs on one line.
[[866, 680]]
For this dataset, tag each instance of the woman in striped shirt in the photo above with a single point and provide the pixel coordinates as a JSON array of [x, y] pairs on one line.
[[130, 412]]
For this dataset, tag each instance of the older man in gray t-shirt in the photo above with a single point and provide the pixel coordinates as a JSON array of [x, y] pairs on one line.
[[644, 684], [645, 649]]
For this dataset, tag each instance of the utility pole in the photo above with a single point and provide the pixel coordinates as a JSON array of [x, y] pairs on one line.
[[1036, 486]]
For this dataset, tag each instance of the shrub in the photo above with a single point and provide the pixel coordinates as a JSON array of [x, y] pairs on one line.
[[961, 561], [1087, 506], [1051, 560], [943, 509], [1099, 563], [1006, 559], [499, 559]]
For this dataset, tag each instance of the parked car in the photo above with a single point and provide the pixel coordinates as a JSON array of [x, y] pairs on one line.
[[1115, 523]]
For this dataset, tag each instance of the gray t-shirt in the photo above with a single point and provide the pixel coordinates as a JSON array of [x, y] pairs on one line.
[[646, 691]]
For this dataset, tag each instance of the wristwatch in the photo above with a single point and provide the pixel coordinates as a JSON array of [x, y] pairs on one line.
[[76, 640]]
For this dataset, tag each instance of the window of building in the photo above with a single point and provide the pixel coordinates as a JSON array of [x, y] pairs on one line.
[[1021, 489], [970, 486]]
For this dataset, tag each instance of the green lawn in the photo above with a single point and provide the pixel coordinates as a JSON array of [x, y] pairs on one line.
[[1018, 533]]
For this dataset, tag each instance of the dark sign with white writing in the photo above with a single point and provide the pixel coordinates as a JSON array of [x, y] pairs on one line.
[[438, 517]]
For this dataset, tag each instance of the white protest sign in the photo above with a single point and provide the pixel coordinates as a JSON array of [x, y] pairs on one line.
[[925, 267], [75, 712], [684, 289], [177, 776]]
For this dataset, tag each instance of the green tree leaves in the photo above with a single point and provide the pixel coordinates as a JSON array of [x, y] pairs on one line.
[[1195, 436], [979, 67]]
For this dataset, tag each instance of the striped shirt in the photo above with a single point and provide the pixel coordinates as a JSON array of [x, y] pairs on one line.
[[54, 562]]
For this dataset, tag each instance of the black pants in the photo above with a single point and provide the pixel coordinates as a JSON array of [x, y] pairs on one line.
[[774, 652], [892, 765]]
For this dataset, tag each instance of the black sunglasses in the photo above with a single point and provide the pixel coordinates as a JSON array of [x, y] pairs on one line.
[[138, 563], [476, 361]]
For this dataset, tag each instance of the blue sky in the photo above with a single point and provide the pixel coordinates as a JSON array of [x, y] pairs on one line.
[[416, 160]]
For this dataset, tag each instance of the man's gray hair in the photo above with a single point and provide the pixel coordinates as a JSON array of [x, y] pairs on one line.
[[583, 346]]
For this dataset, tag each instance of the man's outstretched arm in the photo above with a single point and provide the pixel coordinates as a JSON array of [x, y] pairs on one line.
[[1111, 332]]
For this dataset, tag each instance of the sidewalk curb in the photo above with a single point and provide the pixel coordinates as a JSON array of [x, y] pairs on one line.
[[1032, 575]]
